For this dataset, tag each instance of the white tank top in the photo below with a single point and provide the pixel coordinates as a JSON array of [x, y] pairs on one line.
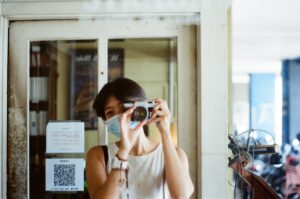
[[146, 174]]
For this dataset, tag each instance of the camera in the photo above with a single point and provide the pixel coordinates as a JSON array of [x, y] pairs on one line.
[[142, 111]]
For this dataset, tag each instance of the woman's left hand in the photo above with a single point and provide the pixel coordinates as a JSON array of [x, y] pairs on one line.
[[161, 116]]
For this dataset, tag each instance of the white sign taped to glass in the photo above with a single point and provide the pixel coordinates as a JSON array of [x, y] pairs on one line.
[[65, 137], [64, 175]]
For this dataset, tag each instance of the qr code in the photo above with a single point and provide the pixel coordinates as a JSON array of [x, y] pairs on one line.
[[64, 175]]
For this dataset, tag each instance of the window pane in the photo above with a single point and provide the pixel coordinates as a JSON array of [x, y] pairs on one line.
[[63, 85], [152, 63]]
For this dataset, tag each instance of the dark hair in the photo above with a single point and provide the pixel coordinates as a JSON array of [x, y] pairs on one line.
[[123, 89]]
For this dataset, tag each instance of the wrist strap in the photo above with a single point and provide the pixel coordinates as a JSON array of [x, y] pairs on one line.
[[127, 183]]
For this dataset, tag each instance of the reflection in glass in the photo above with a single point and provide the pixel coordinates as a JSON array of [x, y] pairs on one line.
[[153, 64], [63, 84]]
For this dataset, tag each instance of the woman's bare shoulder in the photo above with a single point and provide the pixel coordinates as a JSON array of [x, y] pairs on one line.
[[95, 153], [95, 169]]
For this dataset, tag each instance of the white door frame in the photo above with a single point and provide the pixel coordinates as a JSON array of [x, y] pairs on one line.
[[22, 32], [212, 56], [3, 103]]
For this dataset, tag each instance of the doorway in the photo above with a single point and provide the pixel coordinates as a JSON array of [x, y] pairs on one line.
[[53, 63]]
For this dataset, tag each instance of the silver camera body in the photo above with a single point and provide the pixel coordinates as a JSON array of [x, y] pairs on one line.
[[142, 111]]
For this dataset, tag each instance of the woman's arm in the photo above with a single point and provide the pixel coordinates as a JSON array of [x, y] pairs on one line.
[[177, 170], [176, 164], [101, 186]]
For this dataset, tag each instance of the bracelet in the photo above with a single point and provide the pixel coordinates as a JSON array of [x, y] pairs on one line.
[[121, 159]]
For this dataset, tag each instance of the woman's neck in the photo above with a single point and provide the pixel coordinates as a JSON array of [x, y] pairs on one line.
[[142, 146]]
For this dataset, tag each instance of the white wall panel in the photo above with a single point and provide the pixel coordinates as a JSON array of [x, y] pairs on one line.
[[213, 87], [63, 9]]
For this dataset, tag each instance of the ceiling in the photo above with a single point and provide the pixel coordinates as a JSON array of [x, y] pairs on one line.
[[264, 33]]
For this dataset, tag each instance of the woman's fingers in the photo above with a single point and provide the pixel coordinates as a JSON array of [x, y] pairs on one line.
[[158, 100], [160, 104], [129, 111], [140, 125], [125, 117], [157, 115], [154, 120]]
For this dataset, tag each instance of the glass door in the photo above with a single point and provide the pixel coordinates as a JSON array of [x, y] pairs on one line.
[[55, 71]]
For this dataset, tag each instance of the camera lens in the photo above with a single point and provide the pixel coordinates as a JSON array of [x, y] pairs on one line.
[[139, 114]]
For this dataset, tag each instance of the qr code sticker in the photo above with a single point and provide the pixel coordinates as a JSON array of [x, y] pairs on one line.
[[64, 175]]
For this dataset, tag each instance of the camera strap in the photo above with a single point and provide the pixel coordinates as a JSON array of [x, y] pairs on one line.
[[127, 182]]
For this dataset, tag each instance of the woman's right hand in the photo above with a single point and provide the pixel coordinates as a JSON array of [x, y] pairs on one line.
[[128, 135]]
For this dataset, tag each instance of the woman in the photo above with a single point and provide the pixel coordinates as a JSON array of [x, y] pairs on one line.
[[136, 167]]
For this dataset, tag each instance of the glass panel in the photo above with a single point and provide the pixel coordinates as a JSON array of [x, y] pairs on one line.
[[63, 85], [153, 64]]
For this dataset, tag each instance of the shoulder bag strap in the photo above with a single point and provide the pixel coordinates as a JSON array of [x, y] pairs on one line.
[[105, 152]]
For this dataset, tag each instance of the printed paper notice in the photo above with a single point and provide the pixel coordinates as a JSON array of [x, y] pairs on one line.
[[64, 174], [65, 137]]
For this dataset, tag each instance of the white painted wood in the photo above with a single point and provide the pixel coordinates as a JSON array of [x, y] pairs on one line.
[[3, 104], [23, 32], [27, 62], [23, 10], [187, 104], [102, 75], [230, 191], [20, 59], [172, 62], [73, 29], [198, 186], [213, 87]]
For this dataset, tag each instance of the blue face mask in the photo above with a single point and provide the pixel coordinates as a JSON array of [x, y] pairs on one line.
[[113, 125]]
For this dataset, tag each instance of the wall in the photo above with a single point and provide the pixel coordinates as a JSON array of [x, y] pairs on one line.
[[262, 102], [213, 90], [294, 98], [90, 8], [241, 106]]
